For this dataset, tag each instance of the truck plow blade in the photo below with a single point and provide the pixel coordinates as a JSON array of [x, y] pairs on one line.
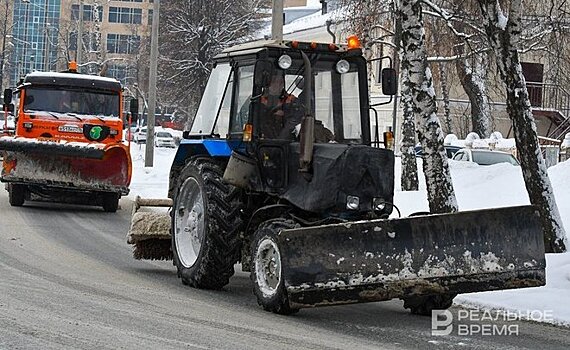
[[45, 147], [378, 260], [81, 171]]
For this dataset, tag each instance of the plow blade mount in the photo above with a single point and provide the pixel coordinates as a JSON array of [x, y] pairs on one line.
[[150, 229], [70, 167], [378, 260]]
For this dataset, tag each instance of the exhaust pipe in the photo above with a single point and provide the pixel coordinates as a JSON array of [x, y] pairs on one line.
[[308, 124]]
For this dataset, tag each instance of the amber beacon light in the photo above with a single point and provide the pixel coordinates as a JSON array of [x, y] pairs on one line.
[[353, 42]]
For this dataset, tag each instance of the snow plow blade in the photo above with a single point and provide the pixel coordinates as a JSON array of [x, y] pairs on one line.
[[44, 147], [71, 166], [150, 230], [378, 260]]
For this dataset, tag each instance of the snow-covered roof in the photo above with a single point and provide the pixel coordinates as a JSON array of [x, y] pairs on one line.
[[71, 76]]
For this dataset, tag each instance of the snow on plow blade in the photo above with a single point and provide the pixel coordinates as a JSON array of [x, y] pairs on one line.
[[70, 149], [72, 166], [378, 260], [150, 229]]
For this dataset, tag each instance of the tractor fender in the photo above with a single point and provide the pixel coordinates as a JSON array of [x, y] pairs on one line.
[[189, 148]]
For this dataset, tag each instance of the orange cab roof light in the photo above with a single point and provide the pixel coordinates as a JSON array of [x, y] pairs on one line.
[[353, 42], [72, 66]]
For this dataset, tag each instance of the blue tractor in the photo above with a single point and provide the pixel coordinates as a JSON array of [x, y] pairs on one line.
[[284, 172]]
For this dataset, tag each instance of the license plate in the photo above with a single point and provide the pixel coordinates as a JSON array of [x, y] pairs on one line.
[[70, 128]]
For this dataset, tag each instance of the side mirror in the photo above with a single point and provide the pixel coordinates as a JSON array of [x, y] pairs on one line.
[[134, 109], [7, 96], [11, 108], [263, 73], [389, 81]]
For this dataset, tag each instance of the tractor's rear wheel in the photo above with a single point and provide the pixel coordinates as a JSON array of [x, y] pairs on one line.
[[206, 222], [424, 305], [111, 202], [16, 194], [268, 283]]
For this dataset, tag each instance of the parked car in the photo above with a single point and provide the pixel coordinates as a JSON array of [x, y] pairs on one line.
[[449, 151], [484, 157], [163, 139], [140, 135], [7, 124]]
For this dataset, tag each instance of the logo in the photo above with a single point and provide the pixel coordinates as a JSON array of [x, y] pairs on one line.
[[95, 132], [483, 322], [441, 322]]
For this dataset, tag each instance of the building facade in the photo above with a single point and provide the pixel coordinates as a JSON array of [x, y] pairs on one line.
[[44, 37]]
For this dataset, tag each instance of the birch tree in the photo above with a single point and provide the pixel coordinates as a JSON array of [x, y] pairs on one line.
[[504, 32], [441, 195]]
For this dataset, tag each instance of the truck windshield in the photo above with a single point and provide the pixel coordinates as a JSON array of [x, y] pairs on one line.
[[82, 102]]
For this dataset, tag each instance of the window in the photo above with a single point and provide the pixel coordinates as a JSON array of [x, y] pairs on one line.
[[89, 12], [123, 44], [211, 100], [125, 15], [243, 96], [90, 41]]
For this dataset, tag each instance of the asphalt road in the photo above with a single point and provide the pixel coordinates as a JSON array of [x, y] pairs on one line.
[[67, 281]]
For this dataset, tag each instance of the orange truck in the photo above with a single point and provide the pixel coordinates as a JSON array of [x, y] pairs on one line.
[[68, 143]]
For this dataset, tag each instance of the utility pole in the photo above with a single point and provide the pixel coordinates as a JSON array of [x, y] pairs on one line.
[[79, 52], [277, 20], [149, 151]]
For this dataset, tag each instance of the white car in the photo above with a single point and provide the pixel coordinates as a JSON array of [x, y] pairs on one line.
[[8, 123], [140, 135], [484, 157], [163, 139]]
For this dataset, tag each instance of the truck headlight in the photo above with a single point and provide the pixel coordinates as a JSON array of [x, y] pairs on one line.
[[378, 204], [352, 202]]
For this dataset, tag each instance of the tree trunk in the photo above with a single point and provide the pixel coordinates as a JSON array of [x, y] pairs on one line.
[[441, 196], [504, 36], [473, 80], [409, 179], [445, 95]]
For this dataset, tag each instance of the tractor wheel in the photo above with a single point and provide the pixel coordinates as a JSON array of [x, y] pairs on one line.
[[424, 305], [16, 195], [206, 224], [110, 202], [268, 284]]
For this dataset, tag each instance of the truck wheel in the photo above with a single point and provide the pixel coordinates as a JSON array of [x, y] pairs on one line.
[[16, 195], [110, 202], [268, 285], [424, 305], [206, 224]]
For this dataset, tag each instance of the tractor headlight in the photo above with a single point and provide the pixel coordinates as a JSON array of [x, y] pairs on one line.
[[342, 66], [378, 204], [284, 62], [352, 202]]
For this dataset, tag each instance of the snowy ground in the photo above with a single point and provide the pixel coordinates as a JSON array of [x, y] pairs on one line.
[[476, 187]]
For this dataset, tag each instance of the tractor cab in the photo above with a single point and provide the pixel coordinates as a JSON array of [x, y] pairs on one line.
[[296, 118], [252, 83]]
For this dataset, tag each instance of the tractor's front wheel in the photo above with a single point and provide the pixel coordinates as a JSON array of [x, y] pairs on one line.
[[268, 282], [424, 305], [206, 222]]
